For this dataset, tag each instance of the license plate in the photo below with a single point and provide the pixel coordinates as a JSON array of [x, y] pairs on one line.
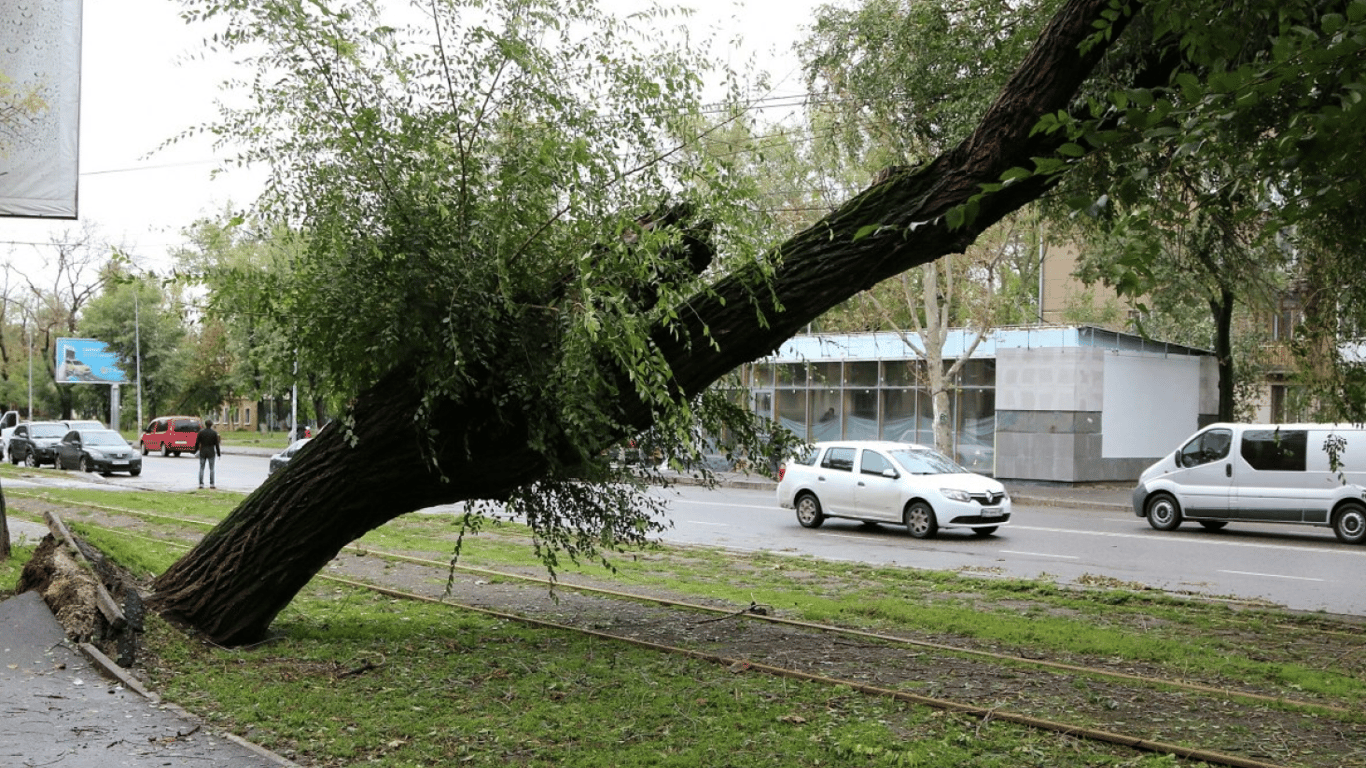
[[119, 463], [991, 512]]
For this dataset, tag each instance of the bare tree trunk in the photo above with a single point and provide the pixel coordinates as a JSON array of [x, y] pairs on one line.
[[246, 570]]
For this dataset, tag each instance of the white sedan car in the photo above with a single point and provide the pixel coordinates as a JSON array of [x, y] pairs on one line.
[[882, 482]]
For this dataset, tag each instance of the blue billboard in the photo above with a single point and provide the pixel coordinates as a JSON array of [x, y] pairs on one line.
[[87, 361]]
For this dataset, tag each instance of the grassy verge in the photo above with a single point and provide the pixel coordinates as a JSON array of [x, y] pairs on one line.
[[355, 678]]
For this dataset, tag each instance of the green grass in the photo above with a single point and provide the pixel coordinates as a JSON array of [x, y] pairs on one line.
[[357, 679]]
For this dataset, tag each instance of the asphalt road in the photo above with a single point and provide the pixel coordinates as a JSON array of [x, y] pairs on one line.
[[1299, 567]]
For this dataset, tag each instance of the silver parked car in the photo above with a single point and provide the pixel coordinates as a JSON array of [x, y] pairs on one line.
[[884, 482], [279, 460]]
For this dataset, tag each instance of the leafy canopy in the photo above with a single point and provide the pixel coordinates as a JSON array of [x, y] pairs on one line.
[[474, 193]]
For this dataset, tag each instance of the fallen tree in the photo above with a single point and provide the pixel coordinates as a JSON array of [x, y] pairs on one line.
[[238, 578], [413, 439]]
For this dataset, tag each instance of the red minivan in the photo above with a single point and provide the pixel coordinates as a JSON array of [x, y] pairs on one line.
[[172, 435]]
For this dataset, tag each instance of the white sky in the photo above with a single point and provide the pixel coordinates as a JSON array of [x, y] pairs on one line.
[[140, 86]]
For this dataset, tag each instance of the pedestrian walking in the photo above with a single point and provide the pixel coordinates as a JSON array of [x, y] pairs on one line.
[[209, 448]]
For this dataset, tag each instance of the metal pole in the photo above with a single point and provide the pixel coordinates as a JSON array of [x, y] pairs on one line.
[[137, 350], [30, 370], [294, 401]]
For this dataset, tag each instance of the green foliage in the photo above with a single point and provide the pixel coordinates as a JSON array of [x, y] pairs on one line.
[[505, 200], [139, 317], [905, 79]]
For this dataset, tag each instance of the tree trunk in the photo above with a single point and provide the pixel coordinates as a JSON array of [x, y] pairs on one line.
[[1223, 352], [4, 528], [246, 570]]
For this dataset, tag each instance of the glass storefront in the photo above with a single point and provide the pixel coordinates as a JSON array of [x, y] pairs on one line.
[[879, 400]]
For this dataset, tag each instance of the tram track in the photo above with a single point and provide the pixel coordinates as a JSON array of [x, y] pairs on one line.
[[591, 623]]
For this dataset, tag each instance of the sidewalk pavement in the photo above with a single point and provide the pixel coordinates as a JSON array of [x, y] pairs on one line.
[[69, 706]]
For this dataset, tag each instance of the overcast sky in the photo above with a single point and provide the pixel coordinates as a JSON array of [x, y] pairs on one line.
[[141, 85]]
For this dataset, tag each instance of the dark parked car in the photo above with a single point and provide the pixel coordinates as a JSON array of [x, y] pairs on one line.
[[98, 450], [35, 443], [279, 460]]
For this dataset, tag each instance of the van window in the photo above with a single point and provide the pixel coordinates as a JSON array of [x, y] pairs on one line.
[[1210, 446], [839, 458], [1274, 449]]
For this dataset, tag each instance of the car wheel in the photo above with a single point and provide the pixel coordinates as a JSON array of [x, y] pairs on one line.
[[919, 519], [135, 472], [144, 447], [31, 460], [984, 532], [809, 512], [1213, 525], [165, 449], [1349, 523], [1164, 513], [84, 464]]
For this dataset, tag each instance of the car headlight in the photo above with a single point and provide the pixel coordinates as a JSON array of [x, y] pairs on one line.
[[954, 494], [94, 454]]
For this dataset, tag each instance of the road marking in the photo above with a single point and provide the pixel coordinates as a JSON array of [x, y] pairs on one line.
[[1039, 554], [765, 507], [1271, 575], [846, 536], [1207, 539]]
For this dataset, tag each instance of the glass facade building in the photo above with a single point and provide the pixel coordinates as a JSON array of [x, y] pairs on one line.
[[878, 400]]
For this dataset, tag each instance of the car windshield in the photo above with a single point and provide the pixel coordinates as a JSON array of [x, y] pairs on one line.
[[102, 437], [84, 425], [926, 461], [47, 430]]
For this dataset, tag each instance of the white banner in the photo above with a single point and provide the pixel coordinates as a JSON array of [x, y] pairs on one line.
[[40, 100]]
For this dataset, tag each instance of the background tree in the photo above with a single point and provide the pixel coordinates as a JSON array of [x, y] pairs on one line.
[[533, 301], [135, 316], [246, 341], [896, 82], [59, 291]]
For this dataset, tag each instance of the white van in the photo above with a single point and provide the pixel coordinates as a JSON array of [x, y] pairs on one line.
[[1260, 473]]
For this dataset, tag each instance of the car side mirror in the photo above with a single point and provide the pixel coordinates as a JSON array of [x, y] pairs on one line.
[[889, 472]]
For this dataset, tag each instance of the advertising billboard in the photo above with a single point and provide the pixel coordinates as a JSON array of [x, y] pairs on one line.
[[40, 99], [87, 361]]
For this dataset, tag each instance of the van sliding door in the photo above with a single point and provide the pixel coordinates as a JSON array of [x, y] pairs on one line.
[[1271, 482]]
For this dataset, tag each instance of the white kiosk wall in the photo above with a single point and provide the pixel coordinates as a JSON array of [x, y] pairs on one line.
[[1150, 404]]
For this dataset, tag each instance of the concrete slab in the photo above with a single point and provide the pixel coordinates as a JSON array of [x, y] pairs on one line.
[[61, 712]]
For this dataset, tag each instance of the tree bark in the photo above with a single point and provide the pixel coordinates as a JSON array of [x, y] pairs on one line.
[[1222, 309], [244, 572]]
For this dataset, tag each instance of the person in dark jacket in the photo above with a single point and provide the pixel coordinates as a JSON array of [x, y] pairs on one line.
[[209, 448]]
